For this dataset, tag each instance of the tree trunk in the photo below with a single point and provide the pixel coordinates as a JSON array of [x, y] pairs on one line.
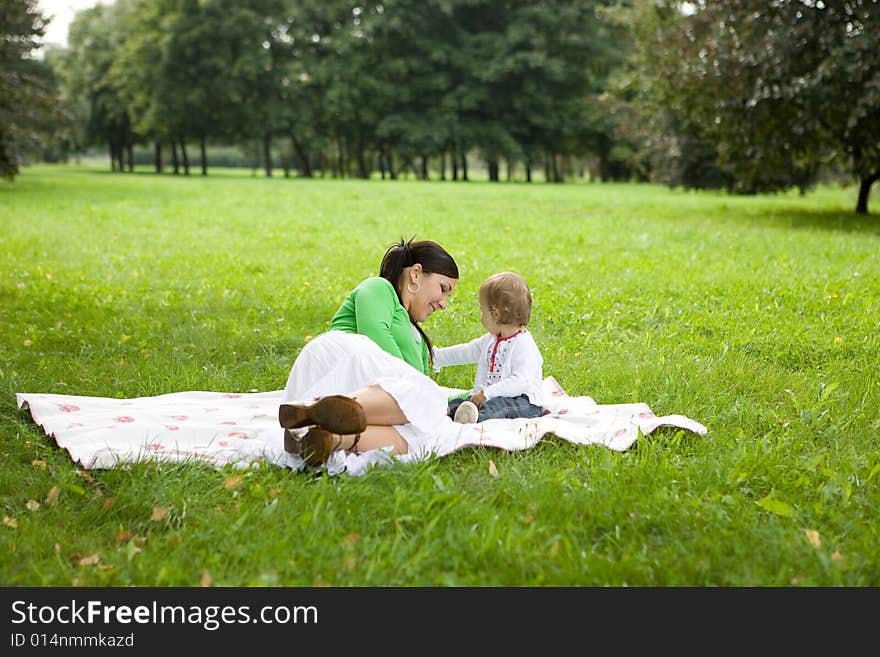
[[528, 171], [510, 166], [389, 161], [340, 162], [464, 175], [174, 159], [603, 151], [306, 169], [184, 157], [557, 168], [865, 192], [493, 170], [203, 153], [267, 153], [424, 167], [129, 152], [443, 165], [453, 160], [158, 157], [363, 169]]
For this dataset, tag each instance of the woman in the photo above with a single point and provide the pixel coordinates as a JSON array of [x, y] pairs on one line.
[[364, 384]]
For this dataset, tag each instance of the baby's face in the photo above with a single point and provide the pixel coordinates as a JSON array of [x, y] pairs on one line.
[[487, 320]]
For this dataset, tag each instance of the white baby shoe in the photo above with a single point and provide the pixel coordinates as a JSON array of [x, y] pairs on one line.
[[467, 413]]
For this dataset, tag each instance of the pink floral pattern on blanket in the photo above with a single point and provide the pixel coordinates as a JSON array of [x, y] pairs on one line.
[[240, 429], [177, 426]]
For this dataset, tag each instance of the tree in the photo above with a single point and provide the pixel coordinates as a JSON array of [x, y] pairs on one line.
[[94, 38], [778, 89], [26, 99]]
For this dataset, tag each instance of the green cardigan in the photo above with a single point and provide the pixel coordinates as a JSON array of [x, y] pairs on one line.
[[373, 309]]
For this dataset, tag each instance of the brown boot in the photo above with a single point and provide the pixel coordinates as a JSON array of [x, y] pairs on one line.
[[335, 413], [318, 444], [292, 442]]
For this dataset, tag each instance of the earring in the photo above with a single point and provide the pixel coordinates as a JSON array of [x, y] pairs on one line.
[[411, 291]]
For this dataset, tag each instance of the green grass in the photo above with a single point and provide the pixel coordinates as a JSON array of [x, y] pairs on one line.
[[758, 317]]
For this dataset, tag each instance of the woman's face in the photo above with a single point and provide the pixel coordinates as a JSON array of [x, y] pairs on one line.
[[431, 293]]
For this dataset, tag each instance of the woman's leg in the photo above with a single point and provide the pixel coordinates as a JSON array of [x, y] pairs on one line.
[[380, 408], [375, 437]]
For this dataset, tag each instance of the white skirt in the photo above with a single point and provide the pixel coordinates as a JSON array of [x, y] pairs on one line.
[[341, 363]]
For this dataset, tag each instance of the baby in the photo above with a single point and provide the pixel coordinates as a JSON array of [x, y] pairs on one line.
[[509, 364]]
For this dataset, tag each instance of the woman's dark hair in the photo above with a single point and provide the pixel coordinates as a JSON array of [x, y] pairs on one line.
[[433, 258]]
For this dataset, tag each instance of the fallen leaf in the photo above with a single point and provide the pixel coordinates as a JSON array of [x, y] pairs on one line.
[[85, 475], [233, 481], [58, 548], [352, 538], [273, 492], [529, 519], [206, 580], [39, 464], [52, 496], [776, 506], [106, 504], [28, 342], [124, 536], [90, 560], [159, 512], [838, 559], [10, 522], [32, 505], [554, 550], [492, 469], [350, 563], [813, 537]]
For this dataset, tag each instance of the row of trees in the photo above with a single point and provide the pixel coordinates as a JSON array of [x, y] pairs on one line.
[[348, 85], [746, 95]]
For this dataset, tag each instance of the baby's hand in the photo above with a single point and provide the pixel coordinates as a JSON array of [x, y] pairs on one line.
[[478, 399]]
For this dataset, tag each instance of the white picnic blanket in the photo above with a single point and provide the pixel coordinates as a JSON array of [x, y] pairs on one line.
[[241, 429]]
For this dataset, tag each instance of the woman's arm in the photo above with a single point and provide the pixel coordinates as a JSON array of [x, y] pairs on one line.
[[374, 310]]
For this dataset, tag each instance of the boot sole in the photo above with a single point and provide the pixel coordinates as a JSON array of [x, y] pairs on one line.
[[335, 413]]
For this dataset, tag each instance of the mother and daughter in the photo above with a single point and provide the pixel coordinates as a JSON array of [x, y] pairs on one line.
[[365, 383]]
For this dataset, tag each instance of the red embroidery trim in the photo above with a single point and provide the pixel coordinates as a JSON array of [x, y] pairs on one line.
[[498, 341]]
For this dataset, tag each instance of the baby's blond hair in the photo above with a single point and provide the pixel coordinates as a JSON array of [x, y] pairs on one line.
[[509, 294]]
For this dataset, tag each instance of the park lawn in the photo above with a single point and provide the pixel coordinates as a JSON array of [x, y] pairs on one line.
[[757, 316]]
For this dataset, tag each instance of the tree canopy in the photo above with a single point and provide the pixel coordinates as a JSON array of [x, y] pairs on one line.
[[762, 95]]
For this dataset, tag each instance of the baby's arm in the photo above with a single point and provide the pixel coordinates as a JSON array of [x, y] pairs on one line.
[[459, 354]]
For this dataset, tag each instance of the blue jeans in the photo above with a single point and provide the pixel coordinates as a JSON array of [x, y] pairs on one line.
[[502, 407]]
